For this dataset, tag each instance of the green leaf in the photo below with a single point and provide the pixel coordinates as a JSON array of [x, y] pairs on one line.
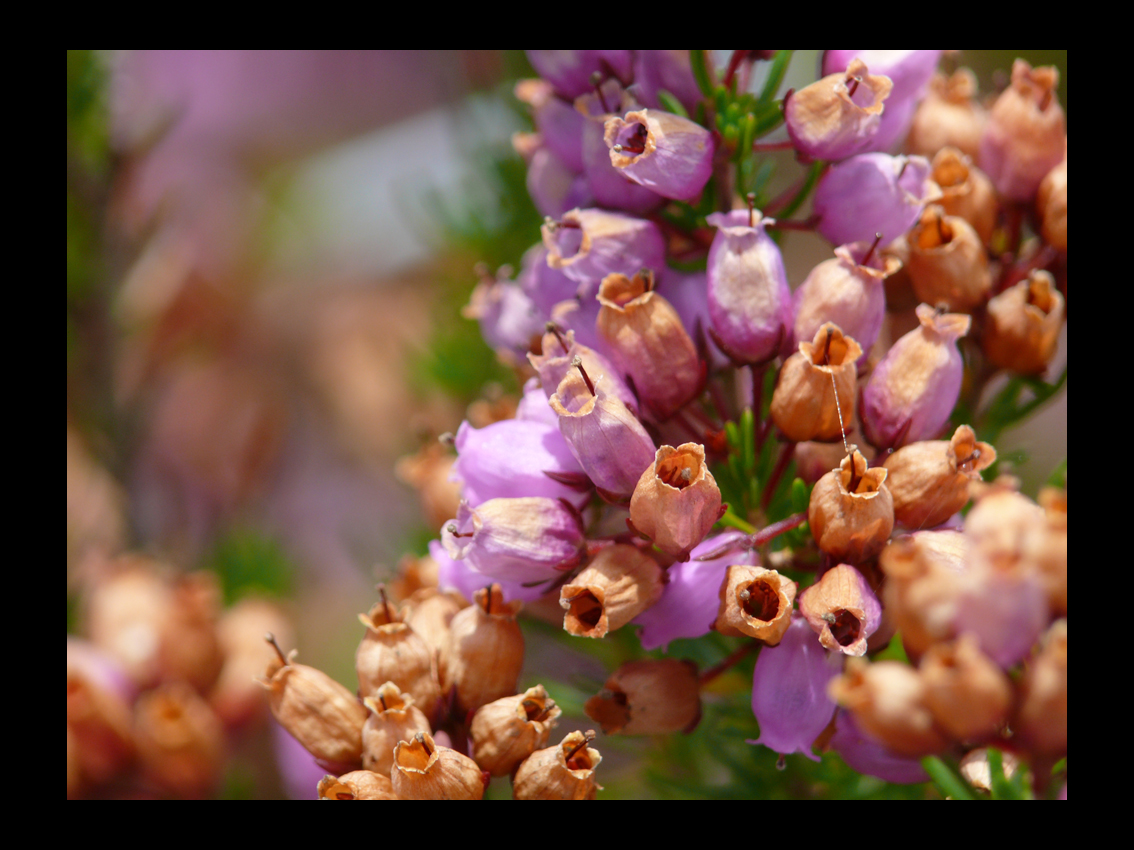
[[699, 62], [671, 103]]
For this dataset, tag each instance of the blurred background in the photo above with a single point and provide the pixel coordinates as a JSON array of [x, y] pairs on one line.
[[267, 253]]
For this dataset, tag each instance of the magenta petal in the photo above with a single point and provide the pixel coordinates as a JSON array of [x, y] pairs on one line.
[[873, 193], [789, 690], [871, 758]]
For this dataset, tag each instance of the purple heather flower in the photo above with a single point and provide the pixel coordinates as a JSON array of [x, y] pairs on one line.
[[749, 297], [868, 757], [691, 600], [606, 438], [686, 291], [789, 690], [544, 285], [554, 187], [557, 121], [610, 186], [914, 388], [910, 71], [666, 70], [666, 153], [570, 70], [459, 575], [847, 290], [588, 245], [510, 458], [873, 193], [554, 362], [508, 319], [1006, 611], [533, 406], [839, 115], [523, 540]]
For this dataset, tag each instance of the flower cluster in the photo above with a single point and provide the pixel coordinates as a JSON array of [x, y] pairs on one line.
[[673, 380]]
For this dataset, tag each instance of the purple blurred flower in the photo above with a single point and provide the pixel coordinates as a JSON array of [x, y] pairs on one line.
[[570, 70], [868, 757]]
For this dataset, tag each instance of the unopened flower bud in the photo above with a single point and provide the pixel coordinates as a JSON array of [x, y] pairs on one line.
[[391, 651], [916, 385], [393, 718], [966, 191], [356, 785], [619, 584], [651, 697], [424, 770], [888, 701], [507, 731], [815, 391], [604, 436], [968, 694], [677, 500], [839, 115], [749, 297], [930, 480], [1023, 325], [485, 653], [318, 712], [847, 290], [851, 512], [842, 609], [1051, 205], [948, 117], [666, 153], [1023, 139], [648, 341], [789, 691], [563, 772], [756, 602]]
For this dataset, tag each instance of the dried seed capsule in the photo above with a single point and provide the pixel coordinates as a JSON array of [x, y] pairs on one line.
[[677, 500], [842, 609], [563, 772], [851, 512], [391, 651], [393, 718], [485, 651], [318, 712], [424, 770], [968, 694], [807, 404], [651, 697], [756, 602], [507, 731], [1023, 325], [618, 585], [356, 785], [948, 263]]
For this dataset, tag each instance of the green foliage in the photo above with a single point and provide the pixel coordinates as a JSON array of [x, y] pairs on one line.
[[250, 562]]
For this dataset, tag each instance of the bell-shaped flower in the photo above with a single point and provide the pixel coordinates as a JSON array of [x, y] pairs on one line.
[[949, 116], [916, 385], [669, 71], [525, 540], [459, 575], [513, 458], [909, 70], [1025, 134], [847, 290], [948, 264], [588, 245], [666, 153], [605, 437], [873, 193], [851, 511], [557, 356], [677, 500], [559, 124], [815, 390], [1023, 325], [749, 297], [789, 691], [842, 609], [689, 602], [570, 71], [839, 115], [555, 188], [508, 318]]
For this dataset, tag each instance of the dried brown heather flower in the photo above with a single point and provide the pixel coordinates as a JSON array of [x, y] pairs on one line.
[[677, 500], [842, 609], [1040, 722], [485, 651], [948, 263], [888, 701], [930, 480], [424, 770], [619, 584], [756, 602], [968, 694], [393, 718], [236, 697], [923, 588], [651, 697], [1051, 205], [966, 191], [356, 785], [180, 740], [507, 731], [1023, 325], [320, 713], [948, 116], [563, 772], [100, 741], [391, 651], [807, 403], [851, 512]]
